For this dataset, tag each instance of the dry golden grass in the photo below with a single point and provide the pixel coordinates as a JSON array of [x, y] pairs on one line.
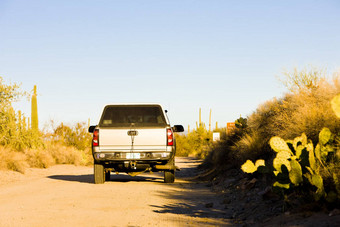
[[42, 157], [250, 145], [307, 111], [12, 160]]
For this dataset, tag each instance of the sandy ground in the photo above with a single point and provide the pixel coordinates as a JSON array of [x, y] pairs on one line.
[[64, 195]]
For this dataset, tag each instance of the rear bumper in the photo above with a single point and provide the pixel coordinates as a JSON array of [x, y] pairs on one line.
[[129, 156]]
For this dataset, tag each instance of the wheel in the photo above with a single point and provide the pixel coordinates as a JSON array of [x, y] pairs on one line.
[[107, 175], [99, 174], [169, 176]]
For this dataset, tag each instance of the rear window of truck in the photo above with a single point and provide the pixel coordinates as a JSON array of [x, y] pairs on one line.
[[129, 116]]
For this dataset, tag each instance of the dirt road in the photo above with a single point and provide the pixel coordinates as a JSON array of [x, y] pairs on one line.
[[64, 195]]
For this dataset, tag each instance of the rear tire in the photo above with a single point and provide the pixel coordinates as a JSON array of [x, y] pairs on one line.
[[107, 175], [99, 174], [169, 176]]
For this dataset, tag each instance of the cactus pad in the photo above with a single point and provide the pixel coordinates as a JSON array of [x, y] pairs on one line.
[[336, 105], [317, 181], [282, 159], [311, 156], [277, 184], [278, 144], [325, 136], [295, 174], [259, 162], [248, 167]]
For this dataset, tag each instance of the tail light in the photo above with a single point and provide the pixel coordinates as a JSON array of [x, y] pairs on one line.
[[170, 137], [95, 140]]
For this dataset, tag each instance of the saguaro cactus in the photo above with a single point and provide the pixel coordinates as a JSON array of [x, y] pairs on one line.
[[34, 110], [210, 121], [19, 121], [200, 118]]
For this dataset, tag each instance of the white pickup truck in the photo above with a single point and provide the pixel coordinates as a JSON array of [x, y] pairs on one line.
[[134, 138]]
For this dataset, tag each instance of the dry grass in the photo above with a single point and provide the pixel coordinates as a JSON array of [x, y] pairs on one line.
[[12, 160], [250, 145], [42, 157], [307, 111]]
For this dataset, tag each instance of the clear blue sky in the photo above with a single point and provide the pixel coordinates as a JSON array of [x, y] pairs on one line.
[[187, 54]]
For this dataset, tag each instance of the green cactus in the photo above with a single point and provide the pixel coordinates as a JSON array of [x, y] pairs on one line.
[[282, 158], [280, 185], [210, 121], [250, 167], [34, 111], [337, 184], [294, 161], [20, 126], [241, 123], [278, 144], [336, 105], [311, 156], [23, 123], [325, 136], [295, 174], [323, 148], [200, 118], [299, 144], [316, 180], [301, 161]]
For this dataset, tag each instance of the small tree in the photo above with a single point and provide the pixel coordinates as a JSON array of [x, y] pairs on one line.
[[308, 78]]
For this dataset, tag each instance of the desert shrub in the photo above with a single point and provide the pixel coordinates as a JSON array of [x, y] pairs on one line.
[[306, 78], [249, 145], [39, 158], [69, 155], [12, 160], [195, 143], [305, 109], [73, 136], [221, 154]]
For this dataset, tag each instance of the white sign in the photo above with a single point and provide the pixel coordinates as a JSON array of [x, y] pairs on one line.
[[216, 136]]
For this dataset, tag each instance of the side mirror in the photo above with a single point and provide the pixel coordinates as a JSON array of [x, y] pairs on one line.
[[91, 128], [178, 128]]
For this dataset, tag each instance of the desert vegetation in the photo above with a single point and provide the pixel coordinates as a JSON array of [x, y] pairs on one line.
[[23, 145], [294, 140]]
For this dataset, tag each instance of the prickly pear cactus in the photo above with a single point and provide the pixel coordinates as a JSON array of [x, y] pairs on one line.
[[311, 156], [250, 167], [282, 158], [260, 162], [325, 136], [323, 147], [299, 143], [278, 144], [336, 105], [280, 185], [295, 174], [317, 181]]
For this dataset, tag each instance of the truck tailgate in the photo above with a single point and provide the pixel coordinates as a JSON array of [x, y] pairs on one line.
[[146, 140]]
